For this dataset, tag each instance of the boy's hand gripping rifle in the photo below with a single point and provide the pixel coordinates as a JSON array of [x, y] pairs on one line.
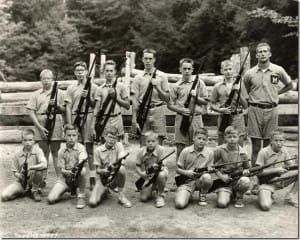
[[73, 180]]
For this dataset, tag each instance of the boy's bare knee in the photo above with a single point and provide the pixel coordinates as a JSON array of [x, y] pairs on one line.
[[264, 206], [180, 204], [221, 203], [51, 200], [4, 197], [93, 203]]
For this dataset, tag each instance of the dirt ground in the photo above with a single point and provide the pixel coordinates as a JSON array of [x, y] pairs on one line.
[[25, 218]]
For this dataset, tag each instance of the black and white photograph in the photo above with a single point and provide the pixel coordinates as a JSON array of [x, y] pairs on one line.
[[149, 119]]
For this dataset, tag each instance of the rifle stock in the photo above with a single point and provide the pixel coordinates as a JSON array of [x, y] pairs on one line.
[[25, 172], [73, 181], [233, 99], [140, 183], [113, 169]]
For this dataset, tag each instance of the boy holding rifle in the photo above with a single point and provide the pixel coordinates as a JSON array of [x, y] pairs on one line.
[[220, 95], [155, 119], [119, 98], [38, 104], [27, 167], [194, 156], [147, 157], [106, 156], [282, 176], [230, 151], [70, 155], [179, 95], [74, 94]]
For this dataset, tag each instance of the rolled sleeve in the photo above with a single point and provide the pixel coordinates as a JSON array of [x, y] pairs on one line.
[[181, 159], [32, 103], [285, 78]]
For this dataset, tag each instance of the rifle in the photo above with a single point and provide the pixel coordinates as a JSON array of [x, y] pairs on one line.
[[113, 171], [101, 120], [233, 98], [181, 179], [187, 120], [72, 181], [145, 105], [237, 174], [51, 111], [25, 171], [140, 183], [80, 120], [268, 178]]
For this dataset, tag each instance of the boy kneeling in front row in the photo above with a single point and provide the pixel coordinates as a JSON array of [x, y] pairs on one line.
[[147, 157], [106, 156], [27, 163], [70, 156], [194, 156]]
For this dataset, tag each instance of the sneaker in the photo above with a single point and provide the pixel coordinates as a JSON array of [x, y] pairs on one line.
[[291, 202], [202, 199], [81, 203], [116, 189], [239, 202], [160, 202], [173, 188], [125, 202], [248, 192], [43, 184], [37, 197]]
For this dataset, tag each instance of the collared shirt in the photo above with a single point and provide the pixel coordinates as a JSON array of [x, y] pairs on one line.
[[39, 102], [36, 156], [73, 96], [221, 92], [141, 82], [104, 157], [146, 159], [70, 157], [180, 92], [189, 158], [102, 93], [223, 155], [267, 155], [263, 86]]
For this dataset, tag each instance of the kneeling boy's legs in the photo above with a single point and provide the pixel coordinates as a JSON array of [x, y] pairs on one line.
[[12, 191], [183, 194], [161, 181], [265, 197], [204, 183], [58, 189], [223, 197], [97, 193]]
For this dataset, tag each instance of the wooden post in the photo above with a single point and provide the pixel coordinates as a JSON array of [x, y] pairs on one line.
[[102, 61], [127, 71], [235, 58], [132, 60], [92, 57]]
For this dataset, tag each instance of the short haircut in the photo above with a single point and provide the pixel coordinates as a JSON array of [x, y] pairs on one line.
[[27, 131], [45, 71], [109, 62], [202, 131], [69, 127], [111, 130], [263, 44], [231, 130], [186, 60], [151, 134], [277, 132], [150, 50], [80, 63], [226, 63]]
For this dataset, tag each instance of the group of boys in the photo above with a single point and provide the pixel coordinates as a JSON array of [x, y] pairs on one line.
[[191, 147]]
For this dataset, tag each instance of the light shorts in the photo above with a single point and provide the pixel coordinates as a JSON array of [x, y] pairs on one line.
[[192, 185], [261, 122], [156, 121]]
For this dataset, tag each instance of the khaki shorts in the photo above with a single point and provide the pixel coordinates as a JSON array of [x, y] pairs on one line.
[[261, 122], [232, 186], [278, 185], [116, 122], [187, 138], [192, 185], [156, 121]]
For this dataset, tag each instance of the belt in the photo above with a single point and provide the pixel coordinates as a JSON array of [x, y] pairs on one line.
[[237, 112], [263, 106], [113, 115], [81, 113], [152, 105], [195, 114]]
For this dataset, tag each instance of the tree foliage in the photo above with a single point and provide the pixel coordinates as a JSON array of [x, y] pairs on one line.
[[55, 33]]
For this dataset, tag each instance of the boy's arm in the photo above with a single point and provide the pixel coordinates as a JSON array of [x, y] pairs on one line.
[[122, 97], [180, 166], [68, 113], [218, 160], [173, 107], [163, 88], [42, 162], [41, 128]]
